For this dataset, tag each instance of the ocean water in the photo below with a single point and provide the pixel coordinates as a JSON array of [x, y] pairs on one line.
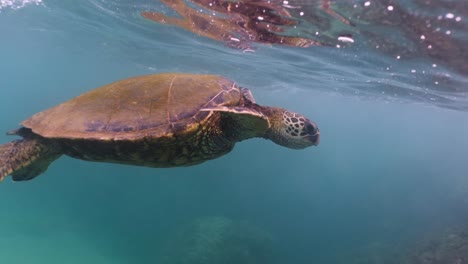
[[391, 168]]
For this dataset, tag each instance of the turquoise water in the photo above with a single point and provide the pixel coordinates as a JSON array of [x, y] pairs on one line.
[[391, 167]]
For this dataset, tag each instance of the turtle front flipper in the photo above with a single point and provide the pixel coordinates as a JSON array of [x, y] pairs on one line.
[[25, 159], [247, 94]]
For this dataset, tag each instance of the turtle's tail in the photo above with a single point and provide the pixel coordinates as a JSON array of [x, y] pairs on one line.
[[27, 158]]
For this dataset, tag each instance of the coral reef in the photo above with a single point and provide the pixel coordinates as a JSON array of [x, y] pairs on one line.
[[219, 240], [447, 248]]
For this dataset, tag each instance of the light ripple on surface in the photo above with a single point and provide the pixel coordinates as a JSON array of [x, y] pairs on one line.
[[118, 28], [17, 4]]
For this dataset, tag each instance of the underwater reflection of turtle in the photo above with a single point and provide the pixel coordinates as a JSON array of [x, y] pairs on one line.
[[216, 240], [160, 120], [237, 23]]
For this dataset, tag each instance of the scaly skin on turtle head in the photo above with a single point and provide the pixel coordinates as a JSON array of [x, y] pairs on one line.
[[291, 129]]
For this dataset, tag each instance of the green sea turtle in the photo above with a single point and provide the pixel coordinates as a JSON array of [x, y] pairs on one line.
[[160, 120]]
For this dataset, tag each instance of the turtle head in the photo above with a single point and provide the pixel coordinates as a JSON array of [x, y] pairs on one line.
[[292, 130]]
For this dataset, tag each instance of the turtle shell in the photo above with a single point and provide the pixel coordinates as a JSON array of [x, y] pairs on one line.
[[153, 105]]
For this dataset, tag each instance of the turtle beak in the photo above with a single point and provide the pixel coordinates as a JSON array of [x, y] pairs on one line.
[[315, 138], [313, 133]]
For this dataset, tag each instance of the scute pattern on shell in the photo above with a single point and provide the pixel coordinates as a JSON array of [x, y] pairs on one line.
[[152, 105]]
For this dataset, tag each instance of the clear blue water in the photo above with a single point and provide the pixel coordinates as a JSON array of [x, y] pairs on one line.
[[391, 168]]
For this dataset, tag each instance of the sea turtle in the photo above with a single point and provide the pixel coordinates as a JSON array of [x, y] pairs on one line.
[[159, 120]]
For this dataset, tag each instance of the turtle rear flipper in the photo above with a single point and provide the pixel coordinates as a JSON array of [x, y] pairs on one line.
[[25, 159]]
